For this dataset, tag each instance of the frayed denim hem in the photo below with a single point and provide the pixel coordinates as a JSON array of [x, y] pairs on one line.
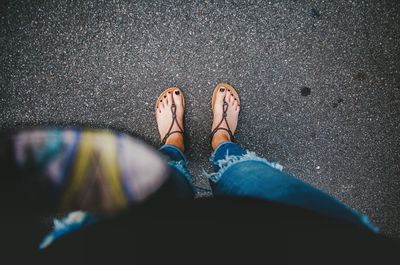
[[218, 147], [181, 167], [230, 160], [369, 224], [73, 221]]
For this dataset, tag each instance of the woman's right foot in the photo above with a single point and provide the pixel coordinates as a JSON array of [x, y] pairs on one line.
[[232, 116]]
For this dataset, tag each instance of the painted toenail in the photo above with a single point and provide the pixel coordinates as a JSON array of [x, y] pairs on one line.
[[177, 92], [169, 92], [165, 96], [222, 89], [160, 100]]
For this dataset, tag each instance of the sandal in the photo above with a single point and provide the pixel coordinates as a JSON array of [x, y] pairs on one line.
[[173, 110], [231, 90]]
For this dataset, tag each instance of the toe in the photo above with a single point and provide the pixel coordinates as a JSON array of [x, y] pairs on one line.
[[219, 99], [228, 97], [235, 105], [177, 95], [168, 98], [165, 102], [160, 105]]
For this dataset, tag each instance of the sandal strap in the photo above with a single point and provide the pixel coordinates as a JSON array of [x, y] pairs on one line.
[[217, 128], [232, 137], [174, 120], [168, 135]]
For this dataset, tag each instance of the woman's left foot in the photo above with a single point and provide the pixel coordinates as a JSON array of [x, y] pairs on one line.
[[226, 108], [169, 116]]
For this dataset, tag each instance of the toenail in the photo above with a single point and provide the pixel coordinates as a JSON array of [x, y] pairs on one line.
[[222, 89], [177, 92], [169, 92], [160, 100], [165, 96]]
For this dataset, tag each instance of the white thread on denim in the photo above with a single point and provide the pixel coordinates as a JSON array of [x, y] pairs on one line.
[[368, 223], [69, 223], [181, 166], [230, 160]]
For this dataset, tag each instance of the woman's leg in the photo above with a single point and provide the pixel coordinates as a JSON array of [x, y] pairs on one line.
[[180, 175], [241, 173], [169, 114]]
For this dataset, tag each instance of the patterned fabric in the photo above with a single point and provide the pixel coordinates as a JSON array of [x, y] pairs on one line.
[[98, 171]]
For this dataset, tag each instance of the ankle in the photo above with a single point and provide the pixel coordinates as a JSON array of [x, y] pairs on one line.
[[218, 138], [177, 141]]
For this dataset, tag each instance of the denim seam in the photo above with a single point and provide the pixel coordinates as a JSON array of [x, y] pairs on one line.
[[175, 148], [179, 165]]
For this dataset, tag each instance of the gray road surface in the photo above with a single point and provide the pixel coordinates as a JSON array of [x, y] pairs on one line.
[[319, 80]]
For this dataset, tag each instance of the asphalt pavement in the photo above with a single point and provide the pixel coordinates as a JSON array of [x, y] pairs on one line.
[[319, 81]]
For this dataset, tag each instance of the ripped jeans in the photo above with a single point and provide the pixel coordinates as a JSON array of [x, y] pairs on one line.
[[238, 172]]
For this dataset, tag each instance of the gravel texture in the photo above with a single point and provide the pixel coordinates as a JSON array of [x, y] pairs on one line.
[[319, 80]]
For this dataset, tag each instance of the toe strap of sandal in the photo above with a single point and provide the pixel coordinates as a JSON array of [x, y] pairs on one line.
[[174, 120], [218, 128]]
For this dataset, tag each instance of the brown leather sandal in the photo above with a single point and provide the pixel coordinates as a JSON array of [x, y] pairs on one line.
[[233, 92], [173, 110]]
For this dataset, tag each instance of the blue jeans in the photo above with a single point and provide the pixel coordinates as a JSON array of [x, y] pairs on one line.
[[238, 172]]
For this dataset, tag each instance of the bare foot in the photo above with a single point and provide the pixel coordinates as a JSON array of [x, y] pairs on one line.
[[164, 118], [232, 116]]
